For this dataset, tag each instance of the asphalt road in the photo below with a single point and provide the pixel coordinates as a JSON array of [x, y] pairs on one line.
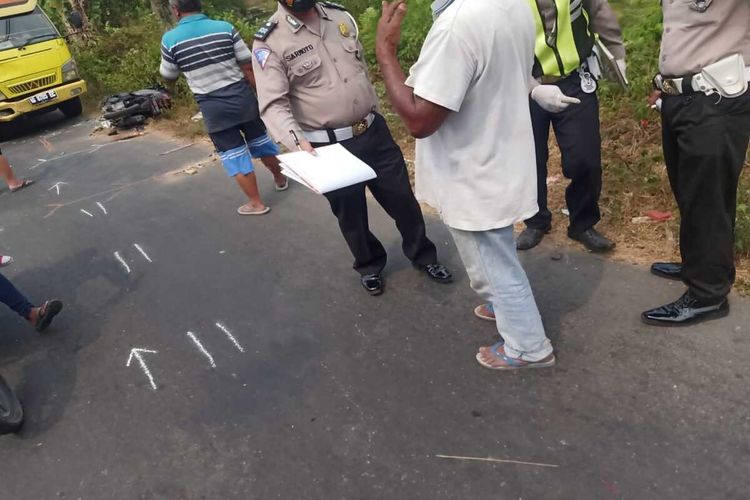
[[335, 395]]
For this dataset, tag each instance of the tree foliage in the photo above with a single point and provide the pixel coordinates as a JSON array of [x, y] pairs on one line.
[[116, 13]]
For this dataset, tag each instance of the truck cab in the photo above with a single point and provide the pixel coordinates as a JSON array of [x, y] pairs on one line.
[[37, 70]]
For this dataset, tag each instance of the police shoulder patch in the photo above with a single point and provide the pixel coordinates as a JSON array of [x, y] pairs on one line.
[[332, 5], [261, 55], [265, 30]]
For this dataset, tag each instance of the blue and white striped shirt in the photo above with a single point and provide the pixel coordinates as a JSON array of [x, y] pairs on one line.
[[206, 51]]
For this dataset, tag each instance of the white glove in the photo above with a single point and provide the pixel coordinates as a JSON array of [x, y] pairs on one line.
[[623, 67], [551, 98]]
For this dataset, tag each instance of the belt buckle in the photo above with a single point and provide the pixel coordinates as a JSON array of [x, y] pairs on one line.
[[359, 128], [669, 87]]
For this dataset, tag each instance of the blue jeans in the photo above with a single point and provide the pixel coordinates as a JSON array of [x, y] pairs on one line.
[[496, 275], [11, 297]]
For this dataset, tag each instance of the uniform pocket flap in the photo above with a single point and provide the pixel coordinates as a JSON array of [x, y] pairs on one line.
[[350, 45], [303, 67]]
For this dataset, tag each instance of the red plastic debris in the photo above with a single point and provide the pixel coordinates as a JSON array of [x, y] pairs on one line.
[[658, 215]]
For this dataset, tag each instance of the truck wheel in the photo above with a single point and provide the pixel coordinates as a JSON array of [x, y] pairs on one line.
[[72, 108], [11, 412]]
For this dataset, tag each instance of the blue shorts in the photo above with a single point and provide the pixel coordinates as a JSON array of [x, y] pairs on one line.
[[237, 146]]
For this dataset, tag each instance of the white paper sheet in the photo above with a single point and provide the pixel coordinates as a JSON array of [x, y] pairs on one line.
[[332, 168]]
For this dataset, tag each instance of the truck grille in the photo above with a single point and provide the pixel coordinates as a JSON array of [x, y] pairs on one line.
[[40, 83]]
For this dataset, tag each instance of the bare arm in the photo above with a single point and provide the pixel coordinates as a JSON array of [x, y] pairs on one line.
[[247, 70], [422, 118]]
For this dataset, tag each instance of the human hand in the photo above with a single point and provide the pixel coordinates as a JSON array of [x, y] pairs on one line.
[[654, 100], [389, 27], [552, 99], [304, 145]]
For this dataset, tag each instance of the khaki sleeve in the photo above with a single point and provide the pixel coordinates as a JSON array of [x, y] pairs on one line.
[[273, 95], [604, 22]]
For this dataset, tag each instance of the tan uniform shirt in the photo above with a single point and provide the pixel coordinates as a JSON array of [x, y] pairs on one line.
[[692, 39], [602, 20], [312, 80]]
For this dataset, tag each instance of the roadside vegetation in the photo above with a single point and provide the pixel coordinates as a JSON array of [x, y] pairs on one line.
[[120, 52]]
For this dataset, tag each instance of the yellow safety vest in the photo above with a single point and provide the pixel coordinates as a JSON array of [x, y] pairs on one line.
[[562, 50]]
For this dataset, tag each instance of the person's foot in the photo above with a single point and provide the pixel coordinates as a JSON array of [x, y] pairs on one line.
[[281, 184], [495, 358], [593, 240], [485, 312], [529, 238], [687, 310], [41, 317], [250, 209], [5, 260], [20, 185], [437, 272], [669, 270], [373, 284]]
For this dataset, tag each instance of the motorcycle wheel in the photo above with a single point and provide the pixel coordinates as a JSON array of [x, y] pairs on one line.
[[11, 411]]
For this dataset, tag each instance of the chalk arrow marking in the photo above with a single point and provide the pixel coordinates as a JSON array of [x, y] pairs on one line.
[[57, 187], [138, 353]]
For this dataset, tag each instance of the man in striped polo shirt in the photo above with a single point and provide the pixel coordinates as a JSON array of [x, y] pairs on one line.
[[218, 67]]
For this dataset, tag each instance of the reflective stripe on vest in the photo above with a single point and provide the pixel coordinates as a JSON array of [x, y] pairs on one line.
[[562, 51]]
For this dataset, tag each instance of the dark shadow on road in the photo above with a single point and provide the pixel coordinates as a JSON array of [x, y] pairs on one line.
[[87, 284], [34, 124], [547, 267]]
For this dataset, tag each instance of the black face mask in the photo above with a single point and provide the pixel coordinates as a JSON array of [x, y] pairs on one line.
[[298, 5]]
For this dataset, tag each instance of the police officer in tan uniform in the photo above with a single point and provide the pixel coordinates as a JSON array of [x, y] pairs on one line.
[[703, 82], [313, 86]]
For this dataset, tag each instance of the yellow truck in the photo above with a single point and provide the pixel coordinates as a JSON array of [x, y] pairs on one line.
[[37, 71]]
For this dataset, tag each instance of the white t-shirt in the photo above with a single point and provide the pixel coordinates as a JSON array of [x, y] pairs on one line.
[[479, 169]]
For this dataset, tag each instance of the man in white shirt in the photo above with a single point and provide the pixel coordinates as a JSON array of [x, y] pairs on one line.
[[466, 100]]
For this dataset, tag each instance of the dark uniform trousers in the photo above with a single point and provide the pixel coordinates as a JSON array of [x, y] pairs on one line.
[[577, 133], [705, 145], [392, 190]]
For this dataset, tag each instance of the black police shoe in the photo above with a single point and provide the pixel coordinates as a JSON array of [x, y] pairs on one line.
[[437, 272], [373, 283], [687, 310], [669, 270], [593, 240], [529, 238]]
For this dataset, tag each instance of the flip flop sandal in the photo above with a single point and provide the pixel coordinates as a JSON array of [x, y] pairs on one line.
[[5, 260], [243, 211], [481, 312], [282, 188], [47, 313], [512, 363], [24, 183]]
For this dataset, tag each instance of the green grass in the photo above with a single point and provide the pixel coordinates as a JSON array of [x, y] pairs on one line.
[[125, 58]]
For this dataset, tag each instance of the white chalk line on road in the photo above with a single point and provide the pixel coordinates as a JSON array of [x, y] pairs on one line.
[[142, 251], [87, 213], [102, 207], [137, 353], [230, 336], [57, 187], [202, 349], [122, 261]]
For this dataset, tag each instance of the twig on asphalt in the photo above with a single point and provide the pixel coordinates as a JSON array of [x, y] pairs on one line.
[[177, 149], [498, 460]]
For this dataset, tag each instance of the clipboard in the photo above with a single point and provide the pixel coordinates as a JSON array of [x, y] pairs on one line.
[[608, 64]]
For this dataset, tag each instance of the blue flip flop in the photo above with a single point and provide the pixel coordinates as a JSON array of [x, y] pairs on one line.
[[513, 363]]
